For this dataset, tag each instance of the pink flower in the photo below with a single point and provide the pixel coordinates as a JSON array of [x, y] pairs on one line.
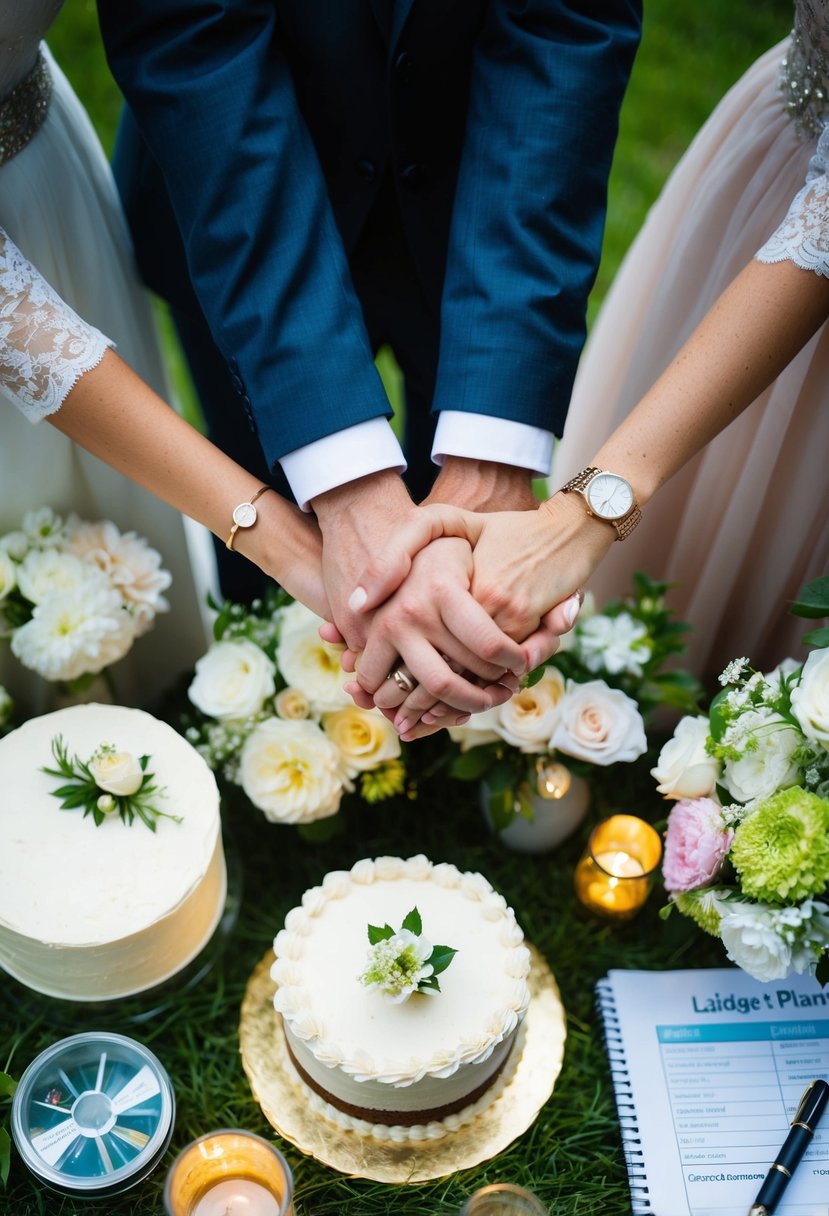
[[696, 844]]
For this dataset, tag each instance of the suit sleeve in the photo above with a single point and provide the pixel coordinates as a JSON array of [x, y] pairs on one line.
[[215, 102], [529, 211]]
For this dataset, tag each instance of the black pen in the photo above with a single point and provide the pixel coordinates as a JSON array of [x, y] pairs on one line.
[[806, 1119]]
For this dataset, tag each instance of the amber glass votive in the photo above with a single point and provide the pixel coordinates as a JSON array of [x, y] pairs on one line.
[[503, 1199], [229, 1173], [614, 876]]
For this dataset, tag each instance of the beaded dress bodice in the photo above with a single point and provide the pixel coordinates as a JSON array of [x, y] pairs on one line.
[[805, 70]]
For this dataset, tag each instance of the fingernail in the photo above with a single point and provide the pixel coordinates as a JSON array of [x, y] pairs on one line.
[[350, 687], [428, 719], [403, 725], [571, 608], [357, 598], [463, 719], [533, 658]]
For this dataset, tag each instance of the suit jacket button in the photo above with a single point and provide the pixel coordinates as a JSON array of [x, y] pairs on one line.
[[413, 176], [404, 68], [366, 169]]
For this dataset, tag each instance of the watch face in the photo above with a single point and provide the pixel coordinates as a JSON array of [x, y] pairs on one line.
[[245, 515], [609, 496]]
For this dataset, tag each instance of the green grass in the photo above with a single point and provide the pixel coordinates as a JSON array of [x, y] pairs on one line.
[[571, 1157]]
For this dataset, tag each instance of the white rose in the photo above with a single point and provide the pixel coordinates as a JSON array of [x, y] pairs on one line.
[[751, 940], [768, 766], [684, 768], [44, 572], [810, 697], [599, 724], [80, 631], [309, 663], [480, 729], [8, 575], [233, 680], [291, 703], [363, 737], [529, 718], [290, 771], [116, 772]]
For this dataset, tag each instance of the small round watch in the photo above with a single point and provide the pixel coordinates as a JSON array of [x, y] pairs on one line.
[[244, 516], [608, 496]]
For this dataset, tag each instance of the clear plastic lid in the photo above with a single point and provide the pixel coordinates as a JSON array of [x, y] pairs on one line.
[[93, 1114]]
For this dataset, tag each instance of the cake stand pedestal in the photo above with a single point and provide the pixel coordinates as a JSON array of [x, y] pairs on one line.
[[285, 1104]]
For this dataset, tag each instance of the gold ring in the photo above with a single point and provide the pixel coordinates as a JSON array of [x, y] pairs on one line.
[[403, 680]]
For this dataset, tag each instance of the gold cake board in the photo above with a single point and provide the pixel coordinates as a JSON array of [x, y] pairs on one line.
[[284, 1103]]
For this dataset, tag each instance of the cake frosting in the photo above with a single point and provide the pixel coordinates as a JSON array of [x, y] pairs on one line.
[[425, 1066], [96, 912]]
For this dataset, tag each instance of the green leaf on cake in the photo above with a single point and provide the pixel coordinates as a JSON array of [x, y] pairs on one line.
[[413, 923], [103, 796], [440, 958], [377, 934]]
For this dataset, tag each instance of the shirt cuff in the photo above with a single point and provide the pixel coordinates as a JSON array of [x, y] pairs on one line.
[[344, 456], [482, 437]]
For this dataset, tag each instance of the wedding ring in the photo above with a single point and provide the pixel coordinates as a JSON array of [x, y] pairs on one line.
[[403, 679]]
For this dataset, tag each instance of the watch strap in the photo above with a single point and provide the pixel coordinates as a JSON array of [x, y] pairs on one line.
[[579, 483], [237, 524]]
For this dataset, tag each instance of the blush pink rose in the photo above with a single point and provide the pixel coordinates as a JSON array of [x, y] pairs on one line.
[[696, 844]]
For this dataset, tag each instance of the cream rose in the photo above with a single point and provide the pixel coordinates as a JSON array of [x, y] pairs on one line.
[[291, 771], [810, 697], [599, 724], [115, 772], [291, 703], [363, 737], [528, 719], [480, 729], [8, 575], [233, 680], [309, 663], [684, 768]]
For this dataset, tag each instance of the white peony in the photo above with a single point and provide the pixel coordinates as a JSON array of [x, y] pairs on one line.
[[613, 643], [8, 575], [751, 938], [480, 729], [116, 772], [82, 630], [363, 737], [599, 724], [810, 697], [291, 771], [43, 528], [528, 719], [684, 768], [766, 767], [233, 680], [308, 663], [45, 572], [128, 562]]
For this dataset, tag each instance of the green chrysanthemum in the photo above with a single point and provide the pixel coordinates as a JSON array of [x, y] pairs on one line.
[[781, 850], [703, 907], [388, 779]]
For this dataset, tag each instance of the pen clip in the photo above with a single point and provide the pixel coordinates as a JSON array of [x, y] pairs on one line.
[[804, 1102]]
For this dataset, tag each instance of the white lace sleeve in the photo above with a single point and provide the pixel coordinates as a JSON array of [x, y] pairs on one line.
[[45, 347], [803, 237]]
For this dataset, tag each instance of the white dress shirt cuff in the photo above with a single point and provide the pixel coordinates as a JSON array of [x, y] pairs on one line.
[[482, 437], [344, 456]]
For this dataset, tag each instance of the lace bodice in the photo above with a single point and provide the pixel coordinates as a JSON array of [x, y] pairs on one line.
[[45, 347], [805, 70]]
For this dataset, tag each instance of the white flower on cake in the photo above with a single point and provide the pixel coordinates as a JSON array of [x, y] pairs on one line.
[[291, 771], [309, 663], [233, 680], [404, 962], [599, 724], [128, 563], [78, 632], [109, 781]]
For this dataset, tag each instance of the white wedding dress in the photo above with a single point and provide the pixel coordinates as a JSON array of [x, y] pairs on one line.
[[745, 524], [59, 205]]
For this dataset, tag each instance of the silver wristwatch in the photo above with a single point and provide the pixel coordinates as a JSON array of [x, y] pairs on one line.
[[608, 496]]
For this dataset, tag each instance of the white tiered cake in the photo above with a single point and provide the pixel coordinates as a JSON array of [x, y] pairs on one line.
[[93, 913], [420, 1068]]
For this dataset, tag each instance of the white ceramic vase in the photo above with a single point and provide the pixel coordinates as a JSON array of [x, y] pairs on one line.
[[553, 821]]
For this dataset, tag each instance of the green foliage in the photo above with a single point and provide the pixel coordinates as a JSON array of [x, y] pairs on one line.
[[81, 790]]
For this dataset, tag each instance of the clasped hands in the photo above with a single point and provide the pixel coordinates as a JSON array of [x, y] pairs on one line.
[[466, 601]]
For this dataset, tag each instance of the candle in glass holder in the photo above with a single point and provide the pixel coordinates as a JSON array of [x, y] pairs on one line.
[[229, 1173], [613, 877], [503, 1199]]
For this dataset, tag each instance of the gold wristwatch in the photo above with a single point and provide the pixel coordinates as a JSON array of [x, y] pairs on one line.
[[609, 497]]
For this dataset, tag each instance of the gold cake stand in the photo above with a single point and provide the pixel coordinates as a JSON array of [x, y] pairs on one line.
[[278, 1091]]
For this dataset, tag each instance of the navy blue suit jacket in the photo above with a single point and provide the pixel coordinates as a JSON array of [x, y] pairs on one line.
[[273, 122]]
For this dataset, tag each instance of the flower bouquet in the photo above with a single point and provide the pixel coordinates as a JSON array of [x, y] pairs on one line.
[[274, 719], [74, 596], [587, 704], [747, 842]]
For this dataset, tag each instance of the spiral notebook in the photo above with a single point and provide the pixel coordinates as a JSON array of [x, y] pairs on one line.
[[708, 1068]]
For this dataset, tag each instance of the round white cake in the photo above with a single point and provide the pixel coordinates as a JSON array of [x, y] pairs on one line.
[[96, 912], [425, 1066]]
